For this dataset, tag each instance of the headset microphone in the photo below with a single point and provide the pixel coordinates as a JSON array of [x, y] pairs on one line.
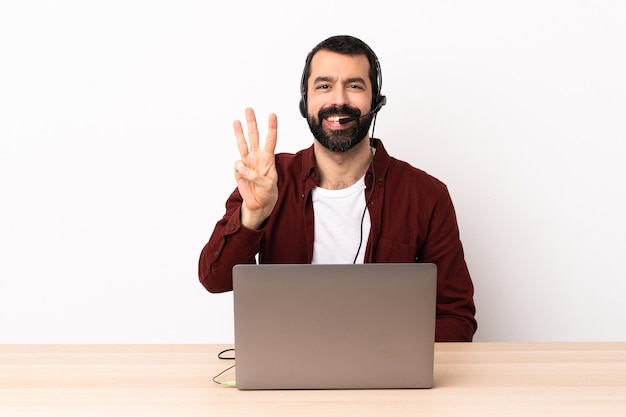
[[381, 102]]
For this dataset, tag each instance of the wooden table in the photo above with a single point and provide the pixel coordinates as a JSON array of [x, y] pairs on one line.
[[471, 379]]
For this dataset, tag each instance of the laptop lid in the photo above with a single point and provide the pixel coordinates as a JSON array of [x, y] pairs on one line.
[[361, 326]]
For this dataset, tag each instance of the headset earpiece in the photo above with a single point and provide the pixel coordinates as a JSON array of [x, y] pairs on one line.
[[302, 106], [382, 100]]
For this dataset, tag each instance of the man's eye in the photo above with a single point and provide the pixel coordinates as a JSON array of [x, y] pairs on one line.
[[355, 86], [322, 87]]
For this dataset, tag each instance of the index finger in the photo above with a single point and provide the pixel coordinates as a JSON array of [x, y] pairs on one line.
[[272, 133]]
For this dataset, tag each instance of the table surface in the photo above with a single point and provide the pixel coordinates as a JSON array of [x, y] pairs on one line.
[[471, 379]]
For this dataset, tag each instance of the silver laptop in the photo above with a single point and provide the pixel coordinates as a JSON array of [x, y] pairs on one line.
[[365, 326]]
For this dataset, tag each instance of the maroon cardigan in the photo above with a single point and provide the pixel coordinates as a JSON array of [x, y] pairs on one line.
[[412, 220]]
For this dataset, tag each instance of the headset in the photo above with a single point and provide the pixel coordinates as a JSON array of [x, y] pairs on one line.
[[378, 100]]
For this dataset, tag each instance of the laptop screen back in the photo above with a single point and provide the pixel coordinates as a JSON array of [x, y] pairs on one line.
[[334, 326]]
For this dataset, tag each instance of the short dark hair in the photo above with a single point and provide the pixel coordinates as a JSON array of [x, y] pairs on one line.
[[345, 45]]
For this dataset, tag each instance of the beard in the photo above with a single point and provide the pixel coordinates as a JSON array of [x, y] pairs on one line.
[[339, 140]]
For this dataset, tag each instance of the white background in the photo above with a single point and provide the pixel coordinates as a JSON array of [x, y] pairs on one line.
[[117, 152]]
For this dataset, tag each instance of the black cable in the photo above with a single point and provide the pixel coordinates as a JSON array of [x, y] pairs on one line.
[[228, 358], [370, 196], [220, 355]]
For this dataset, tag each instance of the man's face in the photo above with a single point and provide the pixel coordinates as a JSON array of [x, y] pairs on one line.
[[338, 87]]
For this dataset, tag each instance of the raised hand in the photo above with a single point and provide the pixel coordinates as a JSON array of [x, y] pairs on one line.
[[255, 173]]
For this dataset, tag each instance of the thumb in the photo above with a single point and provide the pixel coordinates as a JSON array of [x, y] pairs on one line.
[[241, 169]]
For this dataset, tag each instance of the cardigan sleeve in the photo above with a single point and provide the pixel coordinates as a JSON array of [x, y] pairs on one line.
[[455, 291], [231, 243]]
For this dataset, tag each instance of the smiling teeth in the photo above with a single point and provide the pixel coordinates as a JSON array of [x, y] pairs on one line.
[[333, 118]]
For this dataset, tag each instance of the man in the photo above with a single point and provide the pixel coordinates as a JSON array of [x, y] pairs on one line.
[[344, 199]]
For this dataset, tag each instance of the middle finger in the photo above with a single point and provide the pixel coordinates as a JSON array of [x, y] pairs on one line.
[[253, 130]]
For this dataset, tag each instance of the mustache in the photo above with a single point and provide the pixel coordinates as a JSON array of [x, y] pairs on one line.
[[339, 111]]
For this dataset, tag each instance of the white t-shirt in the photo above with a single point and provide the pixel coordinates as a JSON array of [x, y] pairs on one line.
[[342, 223]]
